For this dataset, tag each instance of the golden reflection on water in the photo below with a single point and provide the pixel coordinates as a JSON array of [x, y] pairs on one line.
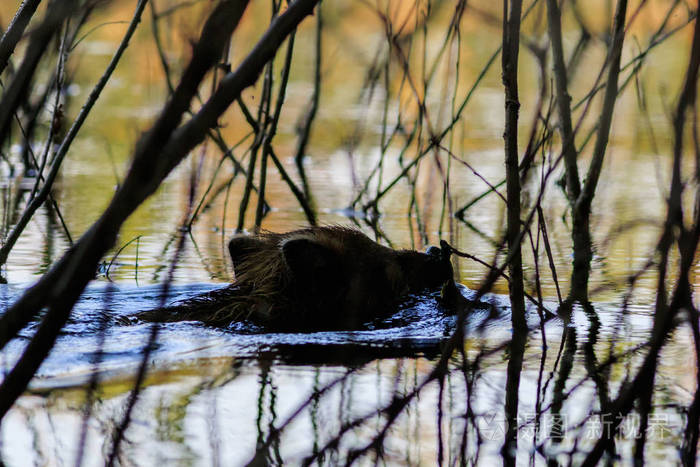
[[631, 190]]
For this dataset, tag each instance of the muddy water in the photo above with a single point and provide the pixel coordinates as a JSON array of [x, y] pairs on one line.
[[214, 396]]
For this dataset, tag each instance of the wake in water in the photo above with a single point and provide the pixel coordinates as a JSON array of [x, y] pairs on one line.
[[418, 327]]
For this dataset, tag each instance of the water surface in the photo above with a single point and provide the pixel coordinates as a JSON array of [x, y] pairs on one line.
[[214, 396]]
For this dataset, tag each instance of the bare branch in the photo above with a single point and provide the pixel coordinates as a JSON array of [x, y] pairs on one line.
[[15, 30]]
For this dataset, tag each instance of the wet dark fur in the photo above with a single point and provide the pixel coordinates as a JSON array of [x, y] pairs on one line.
[[320, 278]]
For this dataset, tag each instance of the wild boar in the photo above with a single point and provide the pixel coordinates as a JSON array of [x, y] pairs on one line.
[[319, 278]]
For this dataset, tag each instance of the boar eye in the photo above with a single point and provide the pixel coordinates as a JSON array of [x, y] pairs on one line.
[[433, 250]]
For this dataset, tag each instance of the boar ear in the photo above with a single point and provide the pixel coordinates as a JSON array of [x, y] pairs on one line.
[[241, 246], [309, 260]]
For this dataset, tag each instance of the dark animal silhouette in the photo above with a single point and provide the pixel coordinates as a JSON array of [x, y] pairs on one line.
[[320, 278]]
